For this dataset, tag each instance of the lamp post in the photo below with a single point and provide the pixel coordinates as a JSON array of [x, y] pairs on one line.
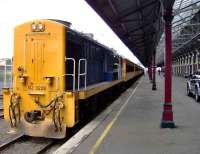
[[150, 69], [154, 70]]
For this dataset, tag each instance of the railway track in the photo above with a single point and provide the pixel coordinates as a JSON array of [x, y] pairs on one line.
[[10, 140], [1, 113], [23, 144]]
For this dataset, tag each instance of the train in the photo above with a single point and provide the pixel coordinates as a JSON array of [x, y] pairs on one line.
[[58, 73]]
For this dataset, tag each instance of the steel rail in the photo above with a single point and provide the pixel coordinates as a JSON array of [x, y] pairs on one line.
[[13, 139]]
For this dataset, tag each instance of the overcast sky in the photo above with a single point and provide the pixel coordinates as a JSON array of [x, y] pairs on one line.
[[78, 12]]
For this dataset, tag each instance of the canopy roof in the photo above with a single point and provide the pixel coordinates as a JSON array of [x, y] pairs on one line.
[[185, 29], [138, 23]]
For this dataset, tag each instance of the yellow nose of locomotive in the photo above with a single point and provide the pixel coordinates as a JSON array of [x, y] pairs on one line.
[[38, 79]]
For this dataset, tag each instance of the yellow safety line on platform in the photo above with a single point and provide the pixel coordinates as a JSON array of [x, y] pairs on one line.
[[109, 126]]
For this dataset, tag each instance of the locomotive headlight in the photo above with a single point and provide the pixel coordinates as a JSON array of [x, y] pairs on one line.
[[34, 27], [41, 27], [49, 80], [22, 80]]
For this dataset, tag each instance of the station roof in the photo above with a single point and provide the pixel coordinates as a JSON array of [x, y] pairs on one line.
[[185, 29], [138, 23]]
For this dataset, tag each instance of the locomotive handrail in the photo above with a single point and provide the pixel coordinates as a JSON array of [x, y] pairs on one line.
[[82, 74], [74, 71]]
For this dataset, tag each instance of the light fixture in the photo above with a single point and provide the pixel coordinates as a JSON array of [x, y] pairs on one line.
[[41, 27], [33, 27], [37, 27]]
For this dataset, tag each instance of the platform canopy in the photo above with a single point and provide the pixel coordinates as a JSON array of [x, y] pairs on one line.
[[138, 23], [185, 29]]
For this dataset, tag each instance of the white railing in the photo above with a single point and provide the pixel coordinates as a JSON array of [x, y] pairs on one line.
[[74, 71], [82, 74]]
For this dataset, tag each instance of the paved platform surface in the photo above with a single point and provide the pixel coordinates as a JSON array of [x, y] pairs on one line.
[[135, 129]]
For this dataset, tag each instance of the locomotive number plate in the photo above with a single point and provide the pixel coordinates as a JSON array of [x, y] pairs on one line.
[[36, 87]]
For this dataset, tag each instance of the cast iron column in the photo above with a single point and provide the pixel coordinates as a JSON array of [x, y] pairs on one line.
[[167, 116], [154, 70], [150, 69]]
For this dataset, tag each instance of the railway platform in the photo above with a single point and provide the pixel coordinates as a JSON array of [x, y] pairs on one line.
[[132, 124]]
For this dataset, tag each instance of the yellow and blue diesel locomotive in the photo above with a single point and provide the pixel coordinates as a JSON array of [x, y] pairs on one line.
[[56, 70]]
